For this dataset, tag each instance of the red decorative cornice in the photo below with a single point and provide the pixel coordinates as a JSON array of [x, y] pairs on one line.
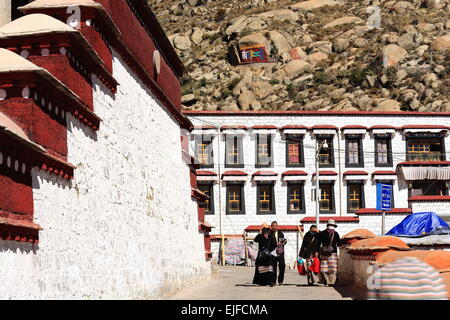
[[326, 173], [265, 173], [320, 127], [234, 173], [318, 113], [206, 173], [424, 126], [32, 158], [354, 127], [375, 211], [233, 127], [264, 127], [293, 127], [77, 49], [354, 173], [430, 198], [19, 230], [424, 163], [294, 173], [42, 84]]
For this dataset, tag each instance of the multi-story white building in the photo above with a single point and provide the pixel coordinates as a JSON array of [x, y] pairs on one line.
[[261, 167]]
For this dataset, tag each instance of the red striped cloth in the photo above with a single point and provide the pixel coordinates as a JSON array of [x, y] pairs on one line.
[[407, 279], [329, 264]]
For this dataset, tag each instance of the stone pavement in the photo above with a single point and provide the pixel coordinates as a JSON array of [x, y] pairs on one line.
[[235, 283]]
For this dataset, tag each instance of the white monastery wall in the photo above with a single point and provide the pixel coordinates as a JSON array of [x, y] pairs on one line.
[[126, 227]]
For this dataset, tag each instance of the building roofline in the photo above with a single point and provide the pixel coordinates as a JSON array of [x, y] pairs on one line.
[[315, 113]]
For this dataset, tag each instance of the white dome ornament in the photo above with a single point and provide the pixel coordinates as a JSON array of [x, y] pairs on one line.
[[3, 94], [157, 62]]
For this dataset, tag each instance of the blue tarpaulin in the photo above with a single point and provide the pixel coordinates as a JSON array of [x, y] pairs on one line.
[[417, 225]]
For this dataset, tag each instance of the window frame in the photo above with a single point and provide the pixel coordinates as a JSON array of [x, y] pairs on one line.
[[240, 151], [210, 185], [362, 199], [300, 137], [271, 185], [333, 198], [242, 211], [302, 200], [201, 139], [422, 136], [359, 138], [330, 147], [270, 149], [389, 150]]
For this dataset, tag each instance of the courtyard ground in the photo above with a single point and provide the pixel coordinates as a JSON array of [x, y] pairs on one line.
[[235, 283]]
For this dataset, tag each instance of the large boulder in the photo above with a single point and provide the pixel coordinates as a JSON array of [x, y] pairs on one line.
[[315, 58], [245, 23], [262, 89], [393, 54], [441, 43], [197, 36], [296, 68], [323, 46], [403, 7], [279, 42], [387, 105], [252, 39], [297, 53], [343, 21], [182, 42], [246, 99], [313, 4], [280, 15]]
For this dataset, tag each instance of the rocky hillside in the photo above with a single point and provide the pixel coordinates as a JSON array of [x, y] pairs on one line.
[[323, 54]]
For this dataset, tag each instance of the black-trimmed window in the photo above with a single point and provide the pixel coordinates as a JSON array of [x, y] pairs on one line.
[[265, 202], [264, 150], [208, 189], [355, 196], [326, 155], [428, 188], [383, 151], [327, 201], [294, 151], [295, 198], [204, 151], [354, 155], [425, 147], [235, 198], [234, 157]]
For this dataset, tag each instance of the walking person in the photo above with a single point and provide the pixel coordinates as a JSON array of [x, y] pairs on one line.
[[264, 270], [329, 240], [279, 260], [310, 253]]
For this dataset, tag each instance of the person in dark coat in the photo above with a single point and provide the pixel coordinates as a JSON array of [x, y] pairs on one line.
[[264, 271], [279, 261], [310, 252], [329, 238]]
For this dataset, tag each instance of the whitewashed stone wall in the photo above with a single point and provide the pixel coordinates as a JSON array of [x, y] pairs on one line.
[[126, 226], [5, 12], [440, 207], [235, 224]]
